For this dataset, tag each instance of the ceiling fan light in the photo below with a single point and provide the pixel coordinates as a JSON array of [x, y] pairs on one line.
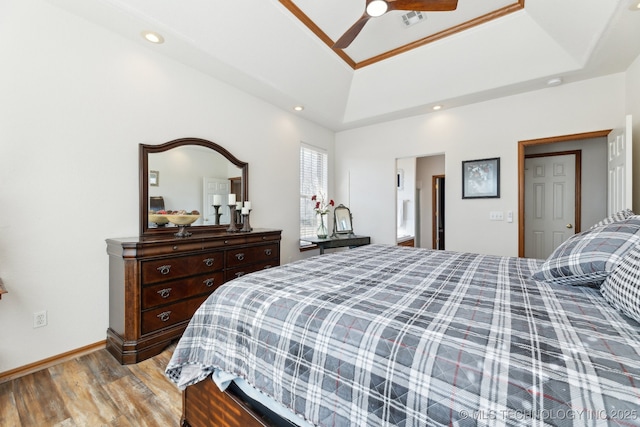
[[377, 8]]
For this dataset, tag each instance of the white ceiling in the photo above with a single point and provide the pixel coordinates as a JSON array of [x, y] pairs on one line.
[[264, 49]]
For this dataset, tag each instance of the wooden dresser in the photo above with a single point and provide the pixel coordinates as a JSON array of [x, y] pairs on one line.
[[157, 283]]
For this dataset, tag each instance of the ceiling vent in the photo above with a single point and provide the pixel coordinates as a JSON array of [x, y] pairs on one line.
[[412, 18]]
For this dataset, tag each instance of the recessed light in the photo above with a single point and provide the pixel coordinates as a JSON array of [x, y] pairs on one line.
[[634, 5], [437, 107], [153, 37], [556, 81], [298, 108]]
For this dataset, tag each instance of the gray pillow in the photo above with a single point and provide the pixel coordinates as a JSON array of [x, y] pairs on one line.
[[588, 257], [622, 288], [618, 216]]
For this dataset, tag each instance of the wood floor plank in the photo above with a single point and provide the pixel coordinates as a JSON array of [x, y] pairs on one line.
[[37, 400], [93, 390], [104, 367], [138, 403], [8, 411], [151, 373], [84, 396]]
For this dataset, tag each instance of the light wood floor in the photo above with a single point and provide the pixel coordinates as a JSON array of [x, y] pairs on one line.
[[93, 390]]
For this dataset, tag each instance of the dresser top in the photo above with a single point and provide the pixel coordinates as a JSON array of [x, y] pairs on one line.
[[168, 239], [135, 247]]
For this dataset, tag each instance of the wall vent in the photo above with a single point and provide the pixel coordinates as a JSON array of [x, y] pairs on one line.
[[412, 18]]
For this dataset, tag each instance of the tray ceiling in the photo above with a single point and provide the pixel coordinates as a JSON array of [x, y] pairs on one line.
[[281, 50]]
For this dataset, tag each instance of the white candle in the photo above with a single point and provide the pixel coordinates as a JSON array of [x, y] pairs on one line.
[[217, 200], [232, 199], [245, 211], [247, 205], [238, 205]]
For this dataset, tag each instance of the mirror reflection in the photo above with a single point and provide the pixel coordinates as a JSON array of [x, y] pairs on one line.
[[191, 178], [195, 174], [342, 220]]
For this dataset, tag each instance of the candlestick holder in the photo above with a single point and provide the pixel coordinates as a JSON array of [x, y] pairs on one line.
[[217, 215], [245, 219], [238, 217], [232, 219]]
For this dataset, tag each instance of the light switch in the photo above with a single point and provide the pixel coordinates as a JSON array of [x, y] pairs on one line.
[[496, 215]]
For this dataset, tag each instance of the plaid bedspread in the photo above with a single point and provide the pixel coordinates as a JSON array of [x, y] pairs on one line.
[[396, 336]]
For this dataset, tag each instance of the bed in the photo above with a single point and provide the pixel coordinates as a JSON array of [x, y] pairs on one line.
[[396, 336]]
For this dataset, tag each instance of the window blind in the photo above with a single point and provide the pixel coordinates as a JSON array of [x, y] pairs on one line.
[[313, 180]]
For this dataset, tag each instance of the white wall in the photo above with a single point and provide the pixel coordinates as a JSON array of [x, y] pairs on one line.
[[75, 103], [488, 129]]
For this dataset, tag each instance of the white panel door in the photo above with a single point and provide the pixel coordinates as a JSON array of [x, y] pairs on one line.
[[549, 203], [620, 176], [211, 187]]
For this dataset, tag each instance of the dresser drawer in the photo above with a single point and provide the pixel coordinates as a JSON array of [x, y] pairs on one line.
[[168, 292], [238, 257], [171, 268], [233, 273], [169, 315]]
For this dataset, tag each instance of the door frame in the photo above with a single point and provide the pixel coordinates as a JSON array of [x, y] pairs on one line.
[[434, 220], [522, 145]]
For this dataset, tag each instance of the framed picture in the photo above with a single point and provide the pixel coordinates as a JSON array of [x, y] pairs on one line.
[[154, 178], [481, 178]]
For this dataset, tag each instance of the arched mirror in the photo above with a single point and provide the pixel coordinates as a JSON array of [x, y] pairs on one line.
[[342, 220], [189, 174]]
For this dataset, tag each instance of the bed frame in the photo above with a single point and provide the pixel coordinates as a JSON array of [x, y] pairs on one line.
[[204, 405]]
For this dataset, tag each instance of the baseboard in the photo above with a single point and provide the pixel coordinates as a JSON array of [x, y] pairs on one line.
[[51, 361]]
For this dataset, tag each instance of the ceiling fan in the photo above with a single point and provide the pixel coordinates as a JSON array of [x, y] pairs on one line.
[[375, 8]]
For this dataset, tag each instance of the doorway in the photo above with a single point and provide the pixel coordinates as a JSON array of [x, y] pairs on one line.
[[415, 199], [593, 171], [437, 192]]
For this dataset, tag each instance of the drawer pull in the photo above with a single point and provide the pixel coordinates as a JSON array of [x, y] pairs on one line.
[[164, 293], [240, 256], [267, 252], [164, 316], [209, 282], [240, 273], [164, 269], [208, 262]]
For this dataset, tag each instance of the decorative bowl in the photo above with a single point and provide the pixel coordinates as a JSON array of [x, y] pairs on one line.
[[158, 219], [182, 219]]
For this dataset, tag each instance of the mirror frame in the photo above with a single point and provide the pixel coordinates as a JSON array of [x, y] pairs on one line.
[[347, 214], [146, 149]]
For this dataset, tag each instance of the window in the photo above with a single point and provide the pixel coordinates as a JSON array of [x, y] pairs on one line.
[[313, 179]]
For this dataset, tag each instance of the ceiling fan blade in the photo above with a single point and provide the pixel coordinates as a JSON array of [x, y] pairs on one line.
[[350, 35], [423, 5]]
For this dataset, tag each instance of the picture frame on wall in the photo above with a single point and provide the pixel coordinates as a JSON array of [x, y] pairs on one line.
[[481, 178], [154, 178]]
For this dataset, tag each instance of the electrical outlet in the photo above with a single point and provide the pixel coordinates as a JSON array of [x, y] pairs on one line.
[[39, 319]]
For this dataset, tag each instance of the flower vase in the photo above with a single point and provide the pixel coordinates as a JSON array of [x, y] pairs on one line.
[[322, 231]]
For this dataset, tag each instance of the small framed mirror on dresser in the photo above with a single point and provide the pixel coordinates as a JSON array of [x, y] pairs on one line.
[[158, 279]]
